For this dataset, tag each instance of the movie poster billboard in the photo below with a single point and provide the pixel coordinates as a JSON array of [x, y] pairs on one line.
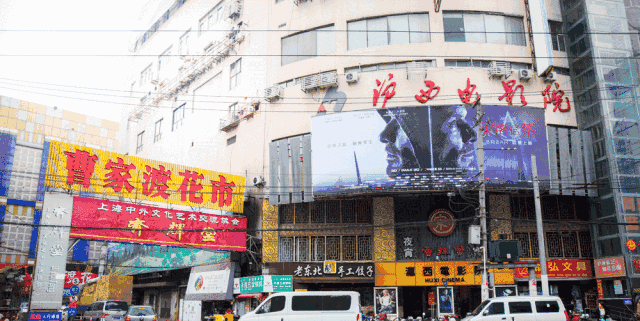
[[125, 222], [386, 300], [132, 258], [426, 147]]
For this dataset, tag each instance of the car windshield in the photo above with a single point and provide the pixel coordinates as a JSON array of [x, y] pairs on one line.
[[479, 308], [141, 311], [121, 306]]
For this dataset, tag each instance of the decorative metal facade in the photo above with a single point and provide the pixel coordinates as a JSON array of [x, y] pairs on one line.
[[384, 238], [269, 233]]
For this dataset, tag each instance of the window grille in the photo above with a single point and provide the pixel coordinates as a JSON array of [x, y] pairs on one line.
[[302, 212], [333, 211], [317, 212], [333, 248], [364, 248], [535, 250], [364, 211], [566, 208], [570, 245], [349, 248], [286, 249], [286, 214], [585, 243], [348, 211], [317, 248], [550, 208], [554, 244], [302, 249], [524, 241]]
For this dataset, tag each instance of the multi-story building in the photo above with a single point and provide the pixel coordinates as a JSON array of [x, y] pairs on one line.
[[602, 41], [26, 128], [356, 124]]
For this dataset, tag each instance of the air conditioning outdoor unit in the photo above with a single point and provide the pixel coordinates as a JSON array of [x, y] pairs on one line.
[[234, 9], [322, 80], [525, 74], [273, 93], [352, 77], [258, 181], [499, 69], [551, 77]]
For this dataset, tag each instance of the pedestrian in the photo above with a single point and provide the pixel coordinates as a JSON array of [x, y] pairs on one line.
[[602, 311]]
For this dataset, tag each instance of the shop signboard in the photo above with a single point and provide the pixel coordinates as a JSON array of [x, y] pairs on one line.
[[191, 310], [600, 289], [124, 222], [315, 270], [560, 269], [429, 155], [75, 278], [211, 282], [45, 316], [131, 258], [617, 286], [610, 267], [51, 258], [96, 171], [263, 283], [447, 273]]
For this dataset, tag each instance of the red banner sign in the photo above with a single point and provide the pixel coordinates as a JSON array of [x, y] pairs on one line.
[[75, 278], [560, 269], [600, 290], [124, 222]]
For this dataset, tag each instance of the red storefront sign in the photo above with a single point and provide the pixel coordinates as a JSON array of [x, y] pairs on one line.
[[600, 290], [75, 278], [560, 269], [432, 298], [124, 222]]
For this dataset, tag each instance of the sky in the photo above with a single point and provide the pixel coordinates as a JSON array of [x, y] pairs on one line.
[[79, 56]]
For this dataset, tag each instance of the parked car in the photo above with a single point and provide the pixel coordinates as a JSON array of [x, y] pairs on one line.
[[106, 311], [308, 306], [141, 313], [547, 308]]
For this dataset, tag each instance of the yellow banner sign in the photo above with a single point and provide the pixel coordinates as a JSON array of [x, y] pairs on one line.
[[101, 172], [435, 273]]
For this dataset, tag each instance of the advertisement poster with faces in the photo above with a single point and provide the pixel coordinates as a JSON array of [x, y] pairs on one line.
[[386, 301], [426, 146]]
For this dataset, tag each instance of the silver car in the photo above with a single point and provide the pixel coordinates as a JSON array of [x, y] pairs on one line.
[[106, 311], [141, 313]]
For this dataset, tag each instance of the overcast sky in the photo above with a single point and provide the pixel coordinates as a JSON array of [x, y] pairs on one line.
[[101, 30]]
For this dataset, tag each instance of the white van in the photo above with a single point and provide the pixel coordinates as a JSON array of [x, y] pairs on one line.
[[308, 306], [520, 308]]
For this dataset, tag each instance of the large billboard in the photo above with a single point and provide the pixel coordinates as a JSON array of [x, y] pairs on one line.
[[426, 147], [131, 258], [124, 222], [101, 172]]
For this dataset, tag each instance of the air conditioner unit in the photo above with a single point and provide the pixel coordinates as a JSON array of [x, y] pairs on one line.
[[525, 74], [258, 181], [499, 69], [551, 77], [352, 77], [322, 80], [234, 9], [273, 93]]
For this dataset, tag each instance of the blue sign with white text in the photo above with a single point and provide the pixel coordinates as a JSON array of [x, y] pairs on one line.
[[48, 316]]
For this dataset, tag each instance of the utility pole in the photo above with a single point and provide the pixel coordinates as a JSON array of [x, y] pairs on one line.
[[482, 199], [542, 249]]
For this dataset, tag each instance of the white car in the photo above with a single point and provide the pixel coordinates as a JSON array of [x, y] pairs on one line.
[[307, 306], [521, 308]]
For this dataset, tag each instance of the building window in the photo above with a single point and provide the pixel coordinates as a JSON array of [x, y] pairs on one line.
[[158, 133], [564, 244], [145, 76], [183, 45], [139, 144], [164, 59], [212, 17], [326, 212], [235, 70], [557, 36], [320, 248], [486, 28], [308, 44], [390, 30], [178, 116]]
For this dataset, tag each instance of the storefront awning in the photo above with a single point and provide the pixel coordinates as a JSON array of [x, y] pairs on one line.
[[248, 295]]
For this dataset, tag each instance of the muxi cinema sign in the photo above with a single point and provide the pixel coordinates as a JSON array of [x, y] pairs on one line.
[[95, 171]]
